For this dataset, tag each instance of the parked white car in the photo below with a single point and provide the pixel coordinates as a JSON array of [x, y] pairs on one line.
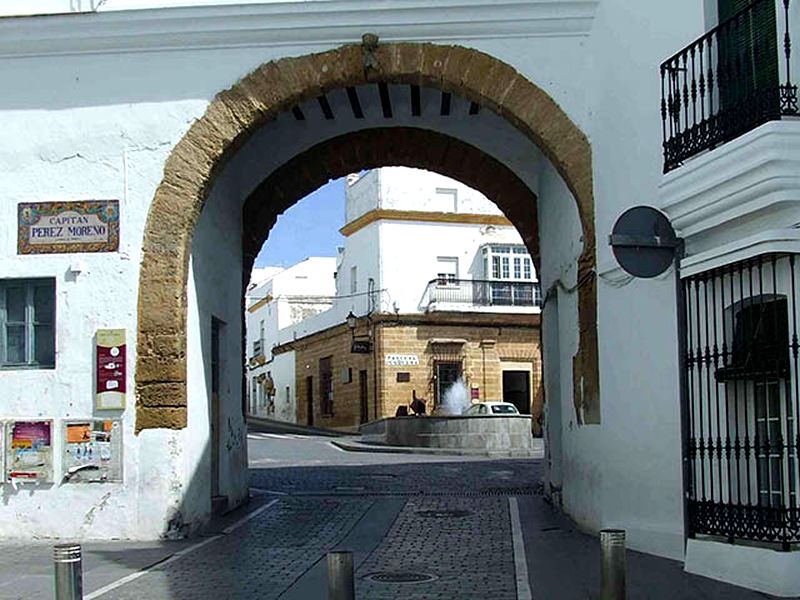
[[486, 409]]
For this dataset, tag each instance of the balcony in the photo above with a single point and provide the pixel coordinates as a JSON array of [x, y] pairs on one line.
[[464, 294], [731, 80]]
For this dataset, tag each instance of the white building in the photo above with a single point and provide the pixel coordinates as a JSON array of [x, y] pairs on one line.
[[281, 299], [206, 120], [407, 231], [415, 242]]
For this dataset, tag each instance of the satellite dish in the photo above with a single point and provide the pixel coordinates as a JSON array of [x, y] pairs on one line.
[[643, 241]]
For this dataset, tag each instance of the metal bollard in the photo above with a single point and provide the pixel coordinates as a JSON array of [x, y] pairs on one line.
[[68, 571], [612, 575], [341, 583]]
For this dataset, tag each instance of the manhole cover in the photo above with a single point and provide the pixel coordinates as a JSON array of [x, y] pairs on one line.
[[444, 514], [400, 577]]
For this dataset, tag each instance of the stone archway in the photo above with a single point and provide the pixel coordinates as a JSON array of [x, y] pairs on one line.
[[236, 113]]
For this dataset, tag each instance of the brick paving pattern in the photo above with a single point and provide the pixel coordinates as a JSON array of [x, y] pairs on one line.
[[261, 560], [462, 478], [465, 543], [468, 552]]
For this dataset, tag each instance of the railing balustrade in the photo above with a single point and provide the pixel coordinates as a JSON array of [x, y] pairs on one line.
[[727, 82], [479, 292]]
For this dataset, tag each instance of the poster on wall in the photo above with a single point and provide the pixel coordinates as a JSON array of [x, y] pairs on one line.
[[62, 227], [29, 451], [93, 451], [110, 369]]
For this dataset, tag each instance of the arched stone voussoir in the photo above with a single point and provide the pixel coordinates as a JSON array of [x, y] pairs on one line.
[[236, 113]]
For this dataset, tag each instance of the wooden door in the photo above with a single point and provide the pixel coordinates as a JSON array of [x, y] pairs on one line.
[[310, 401], [363, 396]]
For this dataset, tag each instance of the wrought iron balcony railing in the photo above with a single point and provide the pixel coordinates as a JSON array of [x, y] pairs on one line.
[[478, 292], [726, 83]]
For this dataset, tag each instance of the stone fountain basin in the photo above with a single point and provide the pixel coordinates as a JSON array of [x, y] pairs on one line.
[[493, 434]]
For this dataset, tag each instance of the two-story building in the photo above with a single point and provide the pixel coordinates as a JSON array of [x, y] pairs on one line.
[[433, 286], [731, 185], [277, 298]]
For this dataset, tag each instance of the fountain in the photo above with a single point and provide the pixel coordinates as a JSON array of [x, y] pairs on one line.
[[448, 429], [455, 400]]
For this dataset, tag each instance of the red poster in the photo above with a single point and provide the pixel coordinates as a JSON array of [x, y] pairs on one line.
[[111, 369], [111, 379]]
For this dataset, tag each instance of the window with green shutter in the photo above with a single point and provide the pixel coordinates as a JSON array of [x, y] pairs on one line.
[[748, 55], [27, 323]]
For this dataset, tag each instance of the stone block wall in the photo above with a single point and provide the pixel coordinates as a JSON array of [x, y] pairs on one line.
[[482, 342]]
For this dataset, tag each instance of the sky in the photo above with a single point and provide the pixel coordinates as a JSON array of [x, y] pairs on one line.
[[309, 228]]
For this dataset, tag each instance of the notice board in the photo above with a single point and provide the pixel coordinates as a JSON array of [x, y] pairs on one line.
[[29, 451], [92, 451]]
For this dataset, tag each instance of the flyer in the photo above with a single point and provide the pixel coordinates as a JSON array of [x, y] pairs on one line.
[[93, 451], [29, 451]]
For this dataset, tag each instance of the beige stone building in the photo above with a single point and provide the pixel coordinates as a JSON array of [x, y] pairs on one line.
[[496, 354]]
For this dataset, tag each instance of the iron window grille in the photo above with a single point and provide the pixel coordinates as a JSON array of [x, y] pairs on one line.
[[743, 445], [27, 323], [727, 82]]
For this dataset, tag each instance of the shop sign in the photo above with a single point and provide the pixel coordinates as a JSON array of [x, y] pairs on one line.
[[62, 227], [361, 347], [29, 452], [110, 368], [402, 360], [93, 451]]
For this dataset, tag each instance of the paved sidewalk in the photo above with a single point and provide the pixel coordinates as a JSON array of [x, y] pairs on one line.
[[26, 569], [565, 563], [463, 544], [421, 529]]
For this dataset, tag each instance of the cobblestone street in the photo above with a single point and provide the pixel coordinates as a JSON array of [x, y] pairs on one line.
[[419, 527]]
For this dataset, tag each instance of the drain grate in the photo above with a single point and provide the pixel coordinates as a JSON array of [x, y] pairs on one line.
[[444, 514], [406, 577]]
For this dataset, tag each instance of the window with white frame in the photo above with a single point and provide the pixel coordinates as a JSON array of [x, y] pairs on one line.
[[509, 272], [27, 323], [446, 270], [446, 199], [353, 280], [507, 262]]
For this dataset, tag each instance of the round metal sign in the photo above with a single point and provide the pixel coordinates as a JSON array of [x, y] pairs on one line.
[[643, 241]]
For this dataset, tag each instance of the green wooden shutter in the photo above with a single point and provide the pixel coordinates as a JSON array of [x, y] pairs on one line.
[[748, 55]]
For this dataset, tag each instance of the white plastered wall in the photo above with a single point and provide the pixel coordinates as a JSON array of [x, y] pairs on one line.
[[116, 117]]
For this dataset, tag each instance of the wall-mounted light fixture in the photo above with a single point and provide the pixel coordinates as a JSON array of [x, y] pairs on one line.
[[352, 320]]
